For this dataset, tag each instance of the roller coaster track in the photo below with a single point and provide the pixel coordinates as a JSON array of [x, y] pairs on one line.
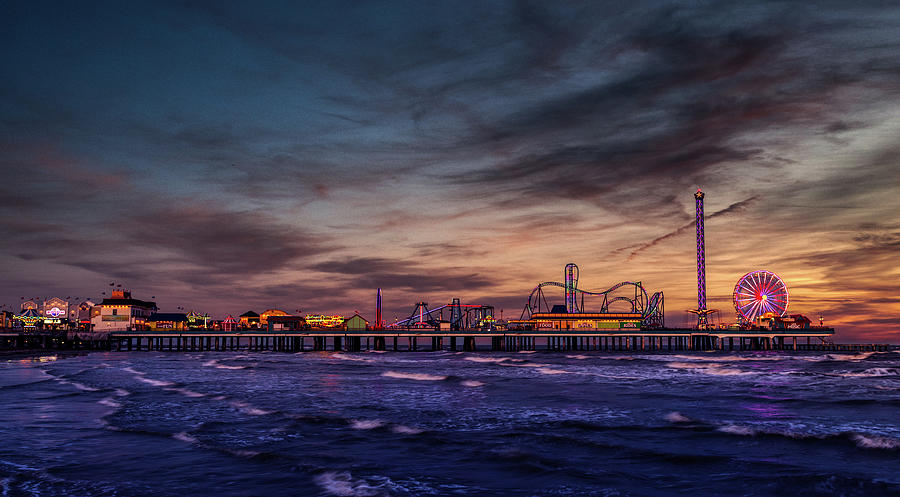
[[649, 306]]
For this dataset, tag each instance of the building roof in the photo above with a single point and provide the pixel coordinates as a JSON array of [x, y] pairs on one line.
[[167, 316], [249, 314], [356, 316], [230, 319], [129, 301]]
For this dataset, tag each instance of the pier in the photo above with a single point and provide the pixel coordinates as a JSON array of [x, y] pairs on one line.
[[660, 341]]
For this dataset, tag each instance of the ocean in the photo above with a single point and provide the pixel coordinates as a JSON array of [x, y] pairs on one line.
[[445, 423]]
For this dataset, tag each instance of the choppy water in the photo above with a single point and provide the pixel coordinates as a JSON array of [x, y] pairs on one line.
[[442, 423]]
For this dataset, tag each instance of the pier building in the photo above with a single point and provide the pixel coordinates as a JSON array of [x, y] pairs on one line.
[[121, 312]]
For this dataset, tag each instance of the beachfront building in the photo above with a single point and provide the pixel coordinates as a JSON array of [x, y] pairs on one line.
[[167, 321], [356, 323], [29, 304], [83, 315], [121, 312], [285, 323], [249, 321], [264, 317], [56, 313]]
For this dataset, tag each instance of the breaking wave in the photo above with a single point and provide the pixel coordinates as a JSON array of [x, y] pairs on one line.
[[413, 376]]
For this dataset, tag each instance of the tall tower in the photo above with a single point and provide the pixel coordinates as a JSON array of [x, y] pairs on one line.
[[571, 275], [701, 260], [701, 311], [378, 323]]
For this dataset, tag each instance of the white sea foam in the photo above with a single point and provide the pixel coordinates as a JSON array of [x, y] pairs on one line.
[[413, 376], [109, 402], [527, 351], [471, 383], [677, 417], [184, 437], [406, 430], [737, 430], [186, 392], [579, 357], [121, 392], [132, 371], [79, 386], [875, 442], [366, 424], [871, 373], [210, 363], [248, 409], [225, 366], [486, 359], [342, 484], [155, 383], [551, 371], [710, 368], [345, 357]]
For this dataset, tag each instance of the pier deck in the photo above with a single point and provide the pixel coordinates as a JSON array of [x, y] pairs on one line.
[[415, 340]]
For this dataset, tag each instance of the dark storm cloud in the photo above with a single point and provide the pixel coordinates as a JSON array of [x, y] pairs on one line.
[[396, 273], [687, 107]]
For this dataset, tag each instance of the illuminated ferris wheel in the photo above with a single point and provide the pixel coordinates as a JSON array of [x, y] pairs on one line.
[[758, 293]]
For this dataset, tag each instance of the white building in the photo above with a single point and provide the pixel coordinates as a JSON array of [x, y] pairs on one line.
[[122, 313]]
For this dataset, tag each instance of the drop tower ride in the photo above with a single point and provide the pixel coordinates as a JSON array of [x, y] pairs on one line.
[[701, 311]]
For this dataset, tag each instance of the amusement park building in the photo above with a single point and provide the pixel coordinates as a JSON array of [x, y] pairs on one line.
[[575, 322], [122, 313], [249, 320], [264, 317], [167, 321]]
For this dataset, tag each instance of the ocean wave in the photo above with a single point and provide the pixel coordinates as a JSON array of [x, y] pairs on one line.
[[710, 368], [413, 376], [551, 371], [486, 359], [225, 366], [155, 383], [184, 437], [471, 383], [345, 357], [79, 386], [109, 402], [736, 430], [677, 417], [527, 351], [121, 392], [133, 371], [875, 442], [870, 373], [343, 484], [248, 409], [579, 357], [186, 392], [366, 424], [406, 430]]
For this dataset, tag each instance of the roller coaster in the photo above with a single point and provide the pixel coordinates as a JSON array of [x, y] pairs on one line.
[[462, 317], [650, 307]]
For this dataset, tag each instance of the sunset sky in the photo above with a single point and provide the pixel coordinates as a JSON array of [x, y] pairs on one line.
[[226, 156]]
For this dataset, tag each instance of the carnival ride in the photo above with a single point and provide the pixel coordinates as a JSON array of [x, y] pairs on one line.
[[759, 293], [650, 307], [461, 317]]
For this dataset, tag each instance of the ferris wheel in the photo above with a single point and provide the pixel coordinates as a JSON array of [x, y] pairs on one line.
[[758, 293]]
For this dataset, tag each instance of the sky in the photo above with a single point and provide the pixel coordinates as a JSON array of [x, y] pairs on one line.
[[226, 156]]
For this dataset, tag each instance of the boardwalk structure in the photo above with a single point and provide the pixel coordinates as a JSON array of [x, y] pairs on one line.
[[415, 340]]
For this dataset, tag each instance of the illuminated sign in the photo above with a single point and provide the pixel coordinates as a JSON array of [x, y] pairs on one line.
[[324, 321], [115, 318], [55, 312]]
